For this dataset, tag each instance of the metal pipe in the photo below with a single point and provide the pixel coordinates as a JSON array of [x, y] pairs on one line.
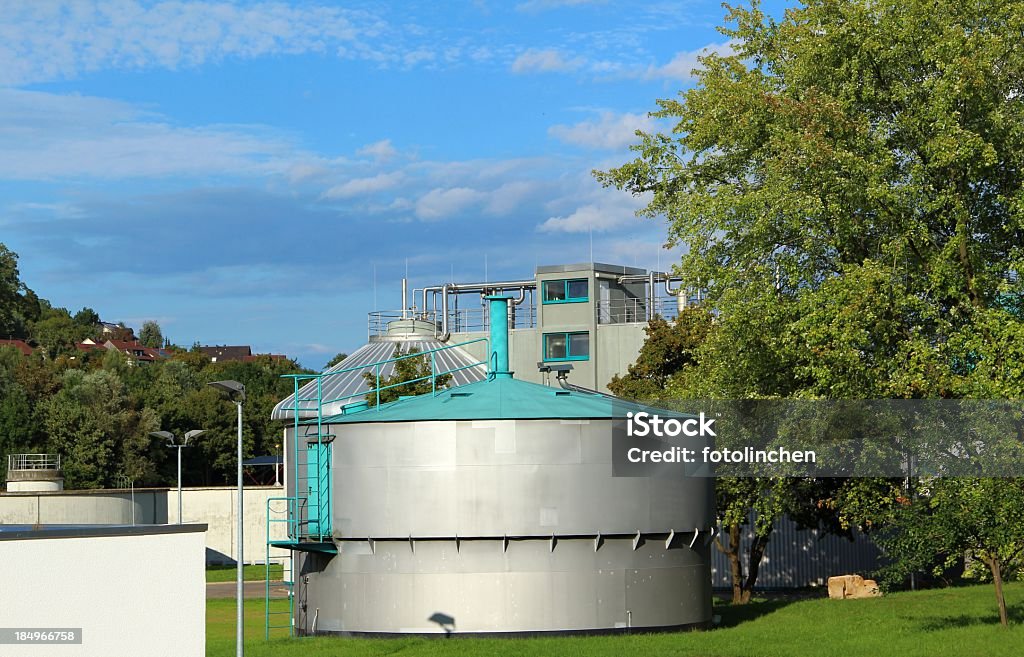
[[445, 333], [679, 293], [405, 298], [498, 359], [651, 295]]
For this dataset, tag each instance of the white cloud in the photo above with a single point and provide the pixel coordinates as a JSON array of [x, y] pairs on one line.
[[608, 131], [545, 61], [682, 65], [601, 209], [45, 41], [507, 198], [368, 185], [46, 136], [440, 203], [381, 150]]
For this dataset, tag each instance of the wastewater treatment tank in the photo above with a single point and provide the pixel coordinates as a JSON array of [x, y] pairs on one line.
[[490, 508]]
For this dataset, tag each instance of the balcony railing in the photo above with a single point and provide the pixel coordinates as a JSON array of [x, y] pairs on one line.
[[627, 311]]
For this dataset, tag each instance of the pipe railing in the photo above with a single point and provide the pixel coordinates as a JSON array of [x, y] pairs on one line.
[[627, 311], [33, 462]]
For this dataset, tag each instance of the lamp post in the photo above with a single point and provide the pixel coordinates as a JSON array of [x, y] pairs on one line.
[[236, 391], [172, 442]]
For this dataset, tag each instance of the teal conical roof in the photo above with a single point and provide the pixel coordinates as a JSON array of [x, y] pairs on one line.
[[498, 399]]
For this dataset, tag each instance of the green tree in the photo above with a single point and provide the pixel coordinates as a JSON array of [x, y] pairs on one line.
[[669, 347], [17, 303], [92, 423], [980, 519], [412, 376], [15, 408], [88, 319], [56, 333], [150, 335], [846, 182], [337, 359]]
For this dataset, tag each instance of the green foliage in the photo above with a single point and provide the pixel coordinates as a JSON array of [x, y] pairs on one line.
[[412, 376], [980, 519], [150, 335], [337, 359], [847, 184], [18, 304], [670, 346], [93, 424], [96, 409]]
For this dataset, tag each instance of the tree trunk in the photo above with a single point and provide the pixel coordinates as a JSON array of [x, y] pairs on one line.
[[757, 548], [735, 563], [997, 579]]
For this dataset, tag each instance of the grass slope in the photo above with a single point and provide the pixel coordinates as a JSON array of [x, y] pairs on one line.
[[960, 622]]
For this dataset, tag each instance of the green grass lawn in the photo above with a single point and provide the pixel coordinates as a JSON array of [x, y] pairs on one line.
[[960, 622], [249, 573]]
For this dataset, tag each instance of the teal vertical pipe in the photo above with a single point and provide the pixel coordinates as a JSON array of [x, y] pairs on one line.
[[498, 360]]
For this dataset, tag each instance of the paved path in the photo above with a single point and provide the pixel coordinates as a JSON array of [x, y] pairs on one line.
[[249, 590]]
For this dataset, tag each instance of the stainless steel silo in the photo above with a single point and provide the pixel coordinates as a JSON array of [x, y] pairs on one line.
[[491, 508]]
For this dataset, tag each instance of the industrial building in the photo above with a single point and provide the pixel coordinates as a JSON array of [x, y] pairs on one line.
[[590, 315], [488, 507]]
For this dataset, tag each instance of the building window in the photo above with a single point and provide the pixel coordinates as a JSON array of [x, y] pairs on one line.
[[566, 291], [567, 346]]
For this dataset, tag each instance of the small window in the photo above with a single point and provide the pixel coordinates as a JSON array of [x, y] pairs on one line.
[[567, 346], [554, 291], [566, 291]]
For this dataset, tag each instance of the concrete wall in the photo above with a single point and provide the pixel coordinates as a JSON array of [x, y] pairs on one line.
[[213, 506], [217, 507], [81, 582]]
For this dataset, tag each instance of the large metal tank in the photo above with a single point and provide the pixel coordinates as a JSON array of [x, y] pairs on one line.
[[491, 508]]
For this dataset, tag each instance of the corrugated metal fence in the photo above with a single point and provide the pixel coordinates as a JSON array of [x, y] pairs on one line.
[[797, 558]]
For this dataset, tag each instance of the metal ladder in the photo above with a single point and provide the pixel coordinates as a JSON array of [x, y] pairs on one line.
[[277, 616]]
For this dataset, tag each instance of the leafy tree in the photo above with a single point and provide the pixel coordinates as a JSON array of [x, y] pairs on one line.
[[982, 519], [847, 184], [150, 335], [412, 376], [56, 333], [337, 359], [93, 424], [16, 301], [88, 319], [670, 346], [15, 408]]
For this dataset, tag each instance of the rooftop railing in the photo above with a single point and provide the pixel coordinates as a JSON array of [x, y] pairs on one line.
[[33, 462], [460, 320]]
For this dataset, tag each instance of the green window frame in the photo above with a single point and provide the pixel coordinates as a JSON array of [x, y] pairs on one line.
[[572, 345], [566, 290]]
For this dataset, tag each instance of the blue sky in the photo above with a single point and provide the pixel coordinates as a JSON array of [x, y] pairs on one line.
[[239, 171]]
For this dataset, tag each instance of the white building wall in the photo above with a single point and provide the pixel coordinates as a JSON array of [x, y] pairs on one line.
[[131, 595], [213, 506]]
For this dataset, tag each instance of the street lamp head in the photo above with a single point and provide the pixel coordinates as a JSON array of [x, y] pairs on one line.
[[235, 389], [166, 435], [195, 433]]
